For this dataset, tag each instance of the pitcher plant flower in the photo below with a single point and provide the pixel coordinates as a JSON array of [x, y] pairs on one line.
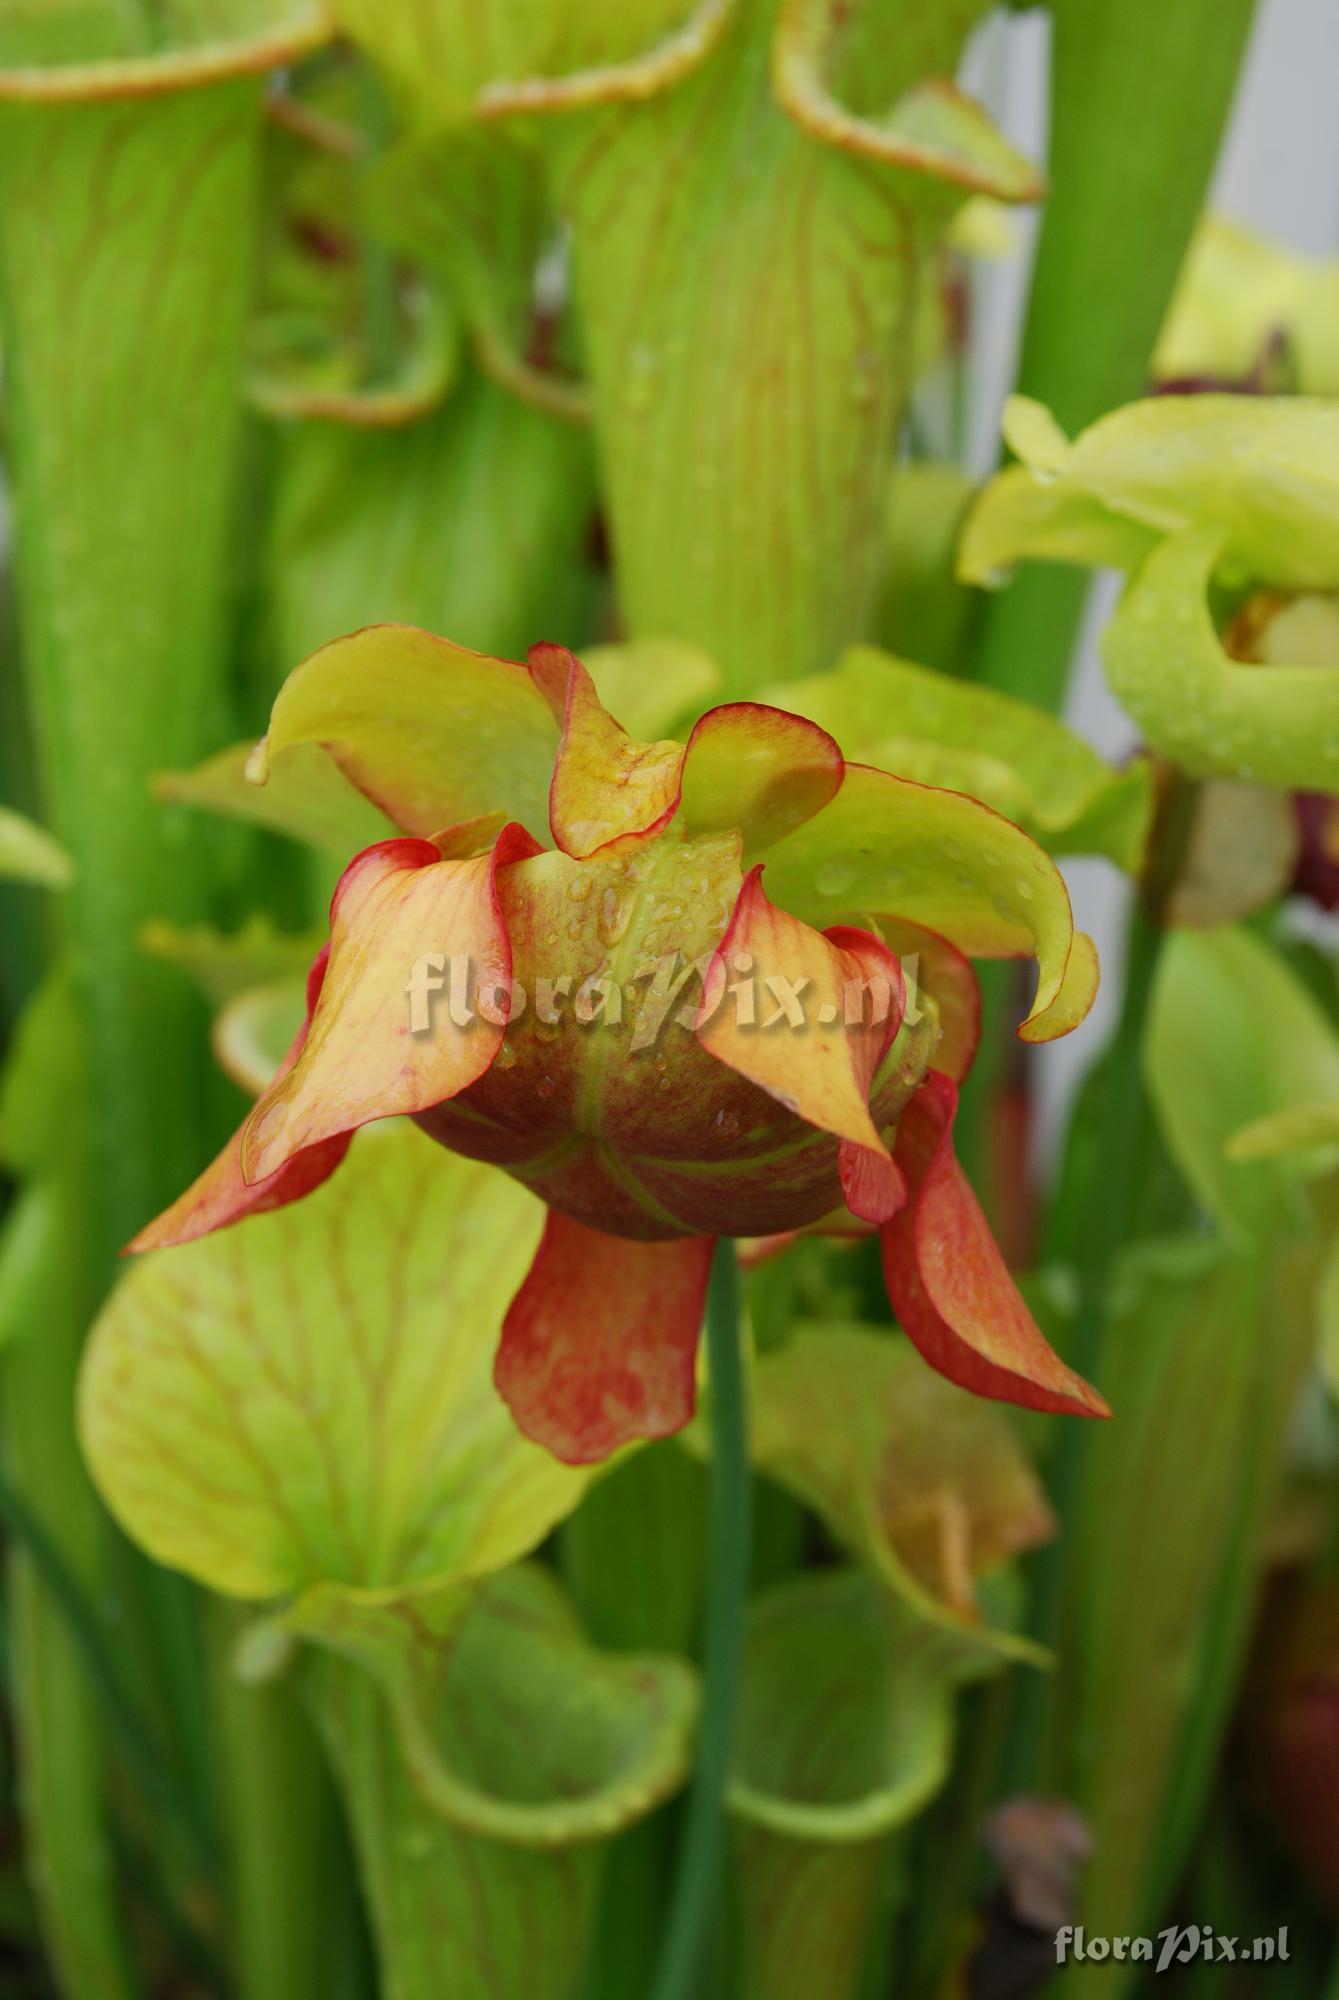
[[658, 983], [1222, 510]]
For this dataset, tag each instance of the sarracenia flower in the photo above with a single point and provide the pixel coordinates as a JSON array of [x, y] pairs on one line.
[[607, 977], [1224, 512]]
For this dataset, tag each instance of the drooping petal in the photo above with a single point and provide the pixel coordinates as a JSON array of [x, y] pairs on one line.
[[598, 1345], [221, 1195], [810, 1045], [404, 924], [934, 969], [942, 730], [949, 1285], [605, 784], [887, 846], [429, 731], [873, 1186], [1071, 1005], [757, 768]]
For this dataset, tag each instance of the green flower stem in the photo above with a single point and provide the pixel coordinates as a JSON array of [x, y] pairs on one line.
[[703, 1841], [1141, 93]]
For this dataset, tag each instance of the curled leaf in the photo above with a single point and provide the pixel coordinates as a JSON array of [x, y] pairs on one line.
[[845, 1733], [1214, 715], [510, 1723]]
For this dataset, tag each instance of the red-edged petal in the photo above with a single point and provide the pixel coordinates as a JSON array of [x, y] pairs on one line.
[[598, 1346], [759, 769], [815, 1043], [931, 965], [605, 786], [364, 1058], [220, 1195], [948, 1283]]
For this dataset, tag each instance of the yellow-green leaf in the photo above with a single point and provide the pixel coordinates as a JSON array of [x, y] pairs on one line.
[[431, 732], [1216, 716], [1234, 1039], [307, 1397]]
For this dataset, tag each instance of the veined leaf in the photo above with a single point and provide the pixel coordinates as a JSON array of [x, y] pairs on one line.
[[514, 1720], [454, 1913], [307, 1398], [920, 1480], [402, 525]]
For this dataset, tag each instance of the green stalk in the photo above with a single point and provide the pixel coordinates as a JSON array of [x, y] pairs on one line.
[[701, 1854], [1108, 1210], [127, 200], [279, 1828], [1141, 91], [58, 1732]]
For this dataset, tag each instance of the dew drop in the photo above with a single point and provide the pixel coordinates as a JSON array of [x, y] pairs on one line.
[[834, 878]]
